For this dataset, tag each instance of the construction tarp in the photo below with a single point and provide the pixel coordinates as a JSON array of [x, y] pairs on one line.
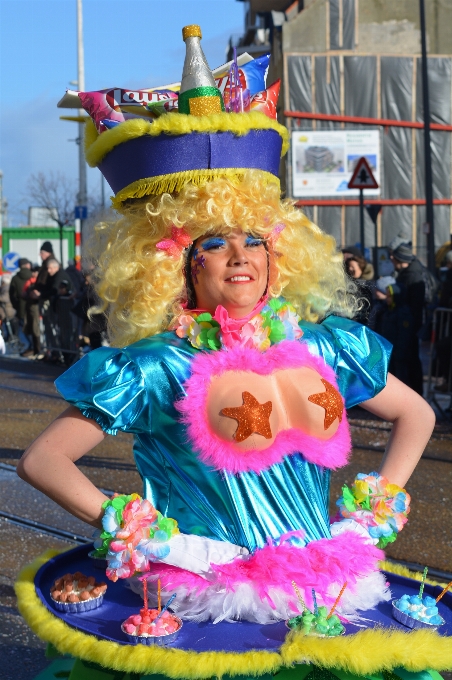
[[378, 86]]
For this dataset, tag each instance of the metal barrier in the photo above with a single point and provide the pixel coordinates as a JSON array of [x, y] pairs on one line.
[[439, 385]]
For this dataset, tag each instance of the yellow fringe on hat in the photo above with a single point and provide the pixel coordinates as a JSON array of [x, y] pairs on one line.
[[175, 181], [364, 653], [98, 145]]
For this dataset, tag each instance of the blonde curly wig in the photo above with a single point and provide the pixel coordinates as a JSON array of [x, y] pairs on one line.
[[143, 288]]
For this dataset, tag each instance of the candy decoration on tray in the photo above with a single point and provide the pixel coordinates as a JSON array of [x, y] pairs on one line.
[[418, 611], [318, 623], [152, 626], [77, 593], [377, 505], [134, 534]]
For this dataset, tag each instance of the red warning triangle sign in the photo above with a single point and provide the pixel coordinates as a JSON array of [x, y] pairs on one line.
[[362, 177]]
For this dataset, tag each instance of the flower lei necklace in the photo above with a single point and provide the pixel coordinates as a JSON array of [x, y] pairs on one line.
[[270, 322]]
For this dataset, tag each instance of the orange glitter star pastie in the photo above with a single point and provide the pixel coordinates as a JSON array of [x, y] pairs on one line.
[[331, 401], [252, 417]]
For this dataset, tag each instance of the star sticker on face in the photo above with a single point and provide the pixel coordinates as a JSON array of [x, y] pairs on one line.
[[331, 401], [252, 417]]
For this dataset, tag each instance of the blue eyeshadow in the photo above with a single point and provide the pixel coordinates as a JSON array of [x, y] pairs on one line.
[[214, 242], [253, 241]]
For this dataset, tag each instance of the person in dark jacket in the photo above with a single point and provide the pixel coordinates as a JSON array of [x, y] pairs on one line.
[[18, 301], [76, 278], [394, 322], [445, 299], [410, 279], [55, 276], [17, 286]]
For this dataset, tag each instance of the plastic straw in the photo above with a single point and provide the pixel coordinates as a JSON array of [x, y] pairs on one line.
[[145, 594], [159, 596], [298, 594], [314, 599], [165, 607], [424, 575], [337, 600], [444, 591]]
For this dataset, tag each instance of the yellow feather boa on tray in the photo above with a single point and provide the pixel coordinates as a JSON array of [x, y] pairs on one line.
[[365, 653]]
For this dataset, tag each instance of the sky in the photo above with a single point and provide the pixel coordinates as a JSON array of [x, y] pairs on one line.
[[128, 43]]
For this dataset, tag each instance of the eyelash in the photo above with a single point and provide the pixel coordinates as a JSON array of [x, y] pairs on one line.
[[252, 241], [217, 242]]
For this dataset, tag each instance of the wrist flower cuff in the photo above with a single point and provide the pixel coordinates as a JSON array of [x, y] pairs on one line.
[[377, 505], [134, 534]]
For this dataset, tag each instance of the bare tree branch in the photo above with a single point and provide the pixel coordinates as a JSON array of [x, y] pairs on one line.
[[54, 192]]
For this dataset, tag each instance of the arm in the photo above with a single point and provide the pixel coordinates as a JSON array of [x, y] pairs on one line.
[[48, 464], [413, 421]]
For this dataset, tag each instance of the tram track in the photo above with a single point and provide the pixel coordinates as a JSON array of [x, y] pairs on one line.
[[353, 425], [42, 527]]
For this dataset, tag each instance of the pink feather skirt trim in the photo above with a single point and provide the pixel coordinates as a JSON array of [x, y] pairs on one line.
[[259, 587]]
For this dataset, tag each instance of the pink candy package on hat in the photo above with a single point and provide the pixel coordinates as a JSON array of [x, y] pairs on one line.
[[116, 104]]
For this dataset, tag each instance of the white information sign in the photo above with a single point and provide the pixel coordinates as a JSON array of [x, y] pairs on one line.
[[323, 161]]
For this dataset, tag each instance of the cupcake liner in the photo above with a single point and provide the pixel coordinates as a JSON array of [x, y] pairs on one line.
[[409, 622], [98, 562], [149, 640], [78, 607]]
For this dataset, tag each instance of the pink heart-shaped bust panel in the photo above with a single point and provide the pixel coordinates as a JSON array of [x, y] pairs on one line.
[[285, 376]]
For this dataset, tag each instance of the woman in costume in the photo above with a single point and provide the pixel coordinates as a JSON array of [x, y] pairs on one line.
[[232, 363]]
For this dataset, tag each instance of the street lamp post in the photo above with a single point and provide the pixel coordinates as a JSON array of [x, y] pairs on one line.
[[82, 197], [430, 229]]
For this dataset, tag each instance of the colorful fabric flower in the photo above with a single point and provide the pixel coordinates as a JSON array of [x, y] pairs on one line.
[[377, 505], [134, 534], [277, 320]]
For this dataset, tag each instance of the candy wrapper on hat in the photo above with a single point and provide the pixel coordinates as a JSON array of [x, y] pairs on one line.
[[145, 146]]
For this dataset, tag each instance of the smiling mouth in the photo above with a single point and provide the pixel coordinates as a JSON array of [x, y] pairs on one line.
[[239, 279]]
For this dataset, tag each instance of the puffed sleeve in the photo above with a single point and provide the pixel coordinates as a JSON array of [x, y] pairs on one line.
[[358, 355], [109, 387]]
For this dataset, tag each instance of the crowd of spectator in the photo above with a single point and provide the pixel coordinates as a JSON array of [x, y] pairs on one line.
[[46, 308], [400, 306]]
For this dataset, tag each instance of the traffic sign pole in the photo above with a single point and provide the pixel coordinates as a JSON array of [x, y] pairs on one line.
[[361, 219], [78, 242], [361, 179]]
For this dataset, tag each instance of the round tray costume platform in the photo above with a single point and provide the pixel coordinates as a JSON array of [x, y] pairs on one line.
[[243, 649]]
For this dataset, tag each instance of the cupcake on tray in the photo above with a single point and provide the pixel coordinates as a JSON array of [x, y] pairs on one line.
[[319, 623], [77, 593], [419, 611], [152, 626]]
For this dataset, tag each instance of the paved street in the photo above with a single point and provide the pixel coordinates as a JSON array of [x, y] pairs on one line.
[[29, 401]]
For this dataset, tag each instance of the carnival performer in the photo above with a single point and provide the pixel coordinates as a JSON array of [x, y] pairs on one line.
[[232, 361]]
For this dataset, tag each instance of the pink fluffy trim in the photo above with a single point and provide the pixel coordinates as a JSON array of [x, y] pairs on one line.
[[344, 558], [222, 455]]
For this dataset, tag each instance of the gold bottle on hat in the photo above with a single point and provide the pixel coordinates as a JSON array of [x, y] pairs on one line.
[[198, 95]]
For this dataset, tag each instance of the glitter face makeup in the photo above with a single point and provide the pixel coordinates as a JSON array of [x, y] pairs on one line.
[[229, 270]]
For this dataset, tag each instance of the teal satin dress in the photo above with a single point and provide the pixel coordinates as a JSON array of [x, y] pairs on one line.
[[134, 389]]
